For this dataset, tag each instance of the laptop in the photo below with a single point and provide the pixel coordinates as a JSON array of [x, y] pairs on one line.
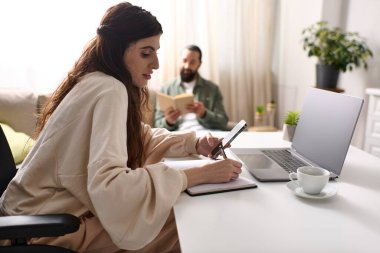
[[322, 138]]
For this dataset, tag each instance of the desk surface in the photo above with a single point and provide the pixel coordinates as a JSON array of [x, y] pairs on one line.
[[271, 218]]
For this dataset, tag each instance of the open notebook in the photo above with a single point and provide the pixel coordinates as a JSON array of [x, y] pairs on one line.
[[202, 189]]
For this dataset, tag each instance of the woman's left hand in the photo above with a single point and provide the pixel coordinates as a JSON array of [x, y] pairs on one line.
[[207, 143]]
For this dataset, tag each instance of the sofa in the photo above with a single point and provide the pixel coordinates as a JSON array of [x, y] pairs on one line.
[[18, 115]]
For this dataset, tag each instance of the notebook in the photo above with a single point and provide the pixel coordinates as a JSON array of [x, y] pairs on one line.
[[322, 138], [239, 184]]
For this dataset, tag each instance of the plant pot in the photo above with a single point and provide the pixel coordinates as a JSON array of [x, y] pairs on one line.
[[327, 76], [288, 132], [259, 119]]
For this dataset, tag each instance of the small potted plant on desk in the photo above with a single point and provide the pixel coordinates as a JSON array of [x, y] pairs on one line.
[[290, 124], [336, 51]]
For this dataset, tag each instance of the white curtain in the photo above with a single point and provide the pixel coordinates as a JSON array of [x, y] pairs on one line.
[[42, 39], [236, 37]]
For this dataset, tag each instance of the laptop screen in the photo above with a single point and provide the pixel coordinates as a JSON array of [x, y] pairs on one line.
[[325, 128]]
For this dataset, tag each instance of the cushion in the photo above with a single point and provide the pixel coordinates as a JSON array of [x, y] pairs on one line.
[[41, 101], [20, 143], [18, 109]]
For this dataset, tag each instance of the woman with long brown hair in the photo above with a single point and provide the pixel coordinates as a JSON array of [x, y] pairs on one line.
[[93, 156]]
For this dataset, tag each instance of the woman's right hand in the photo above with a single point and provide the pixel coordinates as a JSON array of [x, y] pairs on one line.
[[219, 171]]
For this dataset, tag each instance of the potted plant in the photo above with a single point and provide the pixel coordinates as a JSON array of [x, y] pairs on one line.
[[290, 124], [259, 115], [336, 51]]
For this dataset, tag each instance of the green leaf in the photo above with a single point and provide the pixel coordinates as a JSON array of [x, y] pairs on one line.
[[291, 118], [335, 47]]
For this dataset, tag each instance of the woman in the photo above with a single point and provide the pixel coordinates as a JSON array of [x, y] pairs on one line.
[[95, 159]]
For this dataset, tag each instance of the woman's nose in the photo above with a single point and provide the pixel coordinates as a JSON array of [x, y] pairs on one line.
[[155, 63]]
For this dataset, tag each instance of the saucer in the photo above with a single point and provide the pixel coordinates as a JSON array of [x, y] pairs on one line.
[[330, 190]]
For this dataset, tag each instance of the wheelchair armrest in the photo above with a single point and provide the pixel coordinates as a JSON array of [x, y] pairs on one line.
[[43, 225]]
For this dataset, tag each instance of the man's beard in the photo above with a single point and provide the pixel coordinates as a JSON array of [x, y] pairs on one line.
[[187, 75]]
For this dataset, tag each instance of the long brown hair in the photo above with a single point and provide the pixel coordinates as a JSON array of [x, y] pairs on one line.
[[121, 25]]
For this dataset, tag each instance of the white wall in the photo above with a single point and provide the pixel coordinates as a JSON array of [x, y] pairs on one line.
[[296, 72], [363, 17]]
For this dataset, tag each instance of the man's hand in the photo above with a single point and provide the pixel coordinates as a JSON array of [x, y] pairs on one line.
[[171, 115], [198, 108]]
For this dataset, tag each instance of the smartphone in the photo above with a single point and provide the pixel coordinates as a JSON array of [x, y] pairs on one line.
[[229, 138]]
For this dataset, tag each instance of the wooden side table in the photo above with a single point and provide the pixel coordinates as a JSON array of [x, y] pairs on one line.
[[262, 129]]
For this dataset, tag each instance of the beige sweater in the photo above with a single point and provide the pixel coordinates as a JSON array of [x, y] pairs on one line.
[[78, 164]]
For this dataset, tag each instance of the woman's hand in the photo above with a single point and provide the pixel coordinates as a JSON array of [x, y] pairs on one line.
[[219, 171], [206, 144]]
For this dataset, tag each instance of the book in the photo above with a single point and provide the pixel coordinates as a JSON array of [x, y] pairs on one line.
[[239, 184], [177, 102]]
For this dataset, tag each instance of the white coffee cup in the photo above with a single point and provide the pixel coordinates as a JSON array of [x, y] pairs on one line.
[[311, 179]]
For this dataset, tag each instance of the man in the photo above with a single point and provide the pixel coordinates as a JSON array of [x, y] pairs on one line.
[[207, 110]]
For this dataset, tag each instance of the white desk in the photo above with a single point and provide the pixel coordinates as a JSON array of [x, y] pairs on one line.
[[271, 218]]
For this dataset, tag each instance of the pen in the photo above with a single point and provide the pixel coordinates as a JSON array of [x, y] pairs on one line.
[[223, 153]]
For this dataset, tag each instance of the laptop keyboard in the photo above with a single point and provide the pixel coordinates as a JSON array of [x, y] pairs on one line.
[[285, 159]]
